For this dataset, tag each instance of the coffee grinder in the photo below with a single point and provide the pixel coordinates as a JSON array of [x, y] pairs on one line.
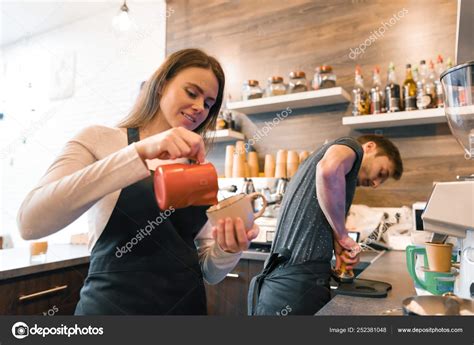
[[450, 208]]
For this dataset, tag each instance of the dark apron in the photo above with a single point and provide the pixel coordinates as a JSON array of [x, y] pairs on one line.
[[300, 289], [159, 273]]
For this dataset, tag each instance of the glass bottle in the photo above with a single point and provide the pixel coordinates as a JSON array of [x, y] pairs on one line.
[[430, 87], [409, 90], [377, 103], [439, 88], [360, 98], [422, 100], [316, 77], [449, 63], [392, 91], [227, 114], [297, 82], [415, 74]]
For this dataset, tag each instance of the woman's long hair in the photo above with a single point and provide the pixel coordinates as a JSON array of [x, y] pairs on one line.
[[147, 105]]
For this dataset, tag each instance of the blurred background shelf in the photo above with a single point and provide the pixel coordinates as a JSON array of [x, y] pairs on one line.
[[402, 118], [226, 135], [334, 95]]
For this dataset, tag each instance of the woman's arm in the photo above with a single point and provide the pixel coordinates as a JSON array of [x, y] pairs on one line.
[[74, 182], [220, 248], [215, 262]]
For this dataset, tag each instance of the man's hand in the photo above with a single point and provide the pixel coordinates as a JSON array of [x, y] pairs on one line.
[[346, 250], [232, 236]]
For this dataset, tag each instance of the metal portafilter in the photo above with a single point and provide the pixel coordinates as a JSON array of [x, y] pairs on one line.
[[343, 275]]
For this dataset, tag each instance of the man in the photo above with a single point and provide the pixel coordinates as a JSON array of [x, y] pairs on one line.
[[311, 224]]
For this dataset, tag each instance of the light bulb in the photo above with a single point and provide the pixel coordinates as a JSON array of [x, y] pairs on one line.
[[121, 22]]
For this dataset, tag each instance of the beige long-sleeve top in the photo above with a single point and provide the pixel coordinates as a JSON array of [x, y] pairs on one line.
[[88, 176]]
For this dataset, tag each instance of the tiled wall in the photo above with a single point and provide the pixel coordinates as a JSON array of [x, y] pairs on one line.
[[108, 72]]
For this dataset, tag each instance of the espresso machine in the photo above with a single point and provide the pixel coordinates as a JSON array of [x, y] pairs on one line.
[[273, 190], [450, 208]]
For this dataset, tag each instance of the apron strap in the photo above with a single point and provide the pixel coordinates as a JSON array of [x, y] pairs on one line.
[[273, 262], [133, 135]]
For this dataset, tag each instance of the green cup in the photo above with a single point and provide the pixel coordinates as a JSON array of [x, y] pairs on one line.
[[437, 283]]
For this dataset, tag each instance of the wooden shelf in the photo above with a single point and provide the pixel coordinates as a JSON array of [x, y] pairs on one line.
[[226, 135], [334, 95], [402, 118]]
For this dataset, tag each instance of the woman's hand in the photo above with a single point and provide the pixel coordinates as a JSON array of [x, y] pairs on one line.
[[346, 250], [232, 236], [172, 144]]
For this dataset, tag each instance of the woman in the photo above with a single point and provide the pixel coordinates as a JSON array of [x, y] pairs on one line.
[[143, 260]]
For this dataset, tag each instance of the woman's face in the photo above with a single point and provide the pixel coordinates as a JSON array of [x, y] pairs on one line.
[[187, 98]]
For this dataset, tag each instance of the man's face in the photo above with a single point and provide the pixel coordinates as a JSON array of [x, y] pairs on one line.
[[374, 169]]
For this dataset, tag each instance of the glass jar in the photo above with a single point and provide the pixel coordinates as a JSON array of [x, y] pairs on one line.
[[251, 90], [221, 123], [297, 82], [275, 87], [324, 78]]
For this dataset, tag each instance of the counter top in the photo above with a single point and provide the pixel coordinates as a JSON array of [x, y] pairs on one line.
[[15, 262], [390, 268]]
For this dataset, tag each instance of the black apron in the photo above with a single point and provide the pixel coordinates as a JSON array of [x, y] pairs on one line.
[[299, 289], [145, 262]]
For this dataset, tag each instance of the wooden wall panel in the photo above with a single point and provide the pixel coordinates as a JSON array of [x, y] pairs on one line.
[[257, 39]]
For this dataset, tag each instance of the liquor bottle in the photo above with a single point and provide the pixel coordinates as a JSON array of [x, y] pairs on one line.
[[440, 68], [409, 90], [360, 97], [430, 87], [439, 88], [392, 91], [377, 102], [422, 100], [414, 72], [228, 115], [449, 63]]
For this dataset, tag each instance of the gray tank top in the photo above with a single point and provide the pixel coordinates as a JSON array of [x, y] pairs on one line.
[[302, 226]]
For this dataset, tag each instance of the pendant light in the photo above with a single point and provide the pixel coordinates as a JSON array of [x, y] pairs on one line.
[[122, 21]]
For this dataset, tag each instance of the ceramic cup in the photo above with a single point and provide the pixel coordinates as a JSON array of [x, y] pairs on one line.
[[183, 185], [237, 206]]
